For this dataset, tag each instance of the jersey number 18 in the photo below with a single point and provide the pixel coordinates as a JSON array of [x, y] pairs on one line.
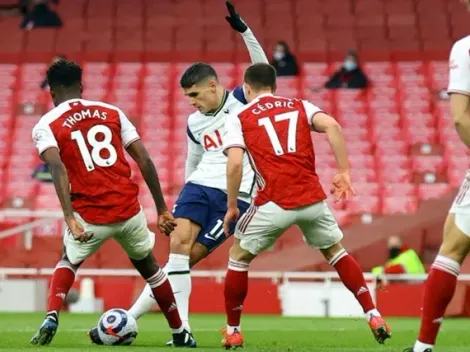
[[90, 160], [292, 116]]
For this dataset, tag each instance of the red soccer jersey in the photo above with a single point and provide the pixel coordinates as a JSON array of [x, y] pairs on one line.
[[90, 137], [275, 131]]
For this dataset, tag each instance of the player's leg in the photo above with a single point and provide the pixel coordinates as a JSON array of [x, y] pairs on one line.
[[145, 301], [256, 231], [64, 276], [208, 239], [181, 242], [442, 279], [133, 236], [321, 231]]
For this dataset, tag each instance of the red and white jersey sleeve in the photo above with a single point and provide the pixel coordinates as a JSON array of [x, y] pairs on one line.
[[459, 67], [43, 137], [310, 110], [128, 131], [233, 136]]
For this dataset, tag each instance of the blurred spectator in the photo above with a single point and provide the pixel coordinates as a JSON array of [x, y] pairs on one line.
[[284, 61], [350, 75], [56, 58], [42, 173], [40, 14], [401, 259]]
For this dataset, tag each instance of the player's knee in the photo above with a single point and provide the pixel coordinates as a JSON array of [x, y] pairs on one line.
[[198, 252], [330, 252], [180, 244], [239, 254], [456, 244], [140, 251]]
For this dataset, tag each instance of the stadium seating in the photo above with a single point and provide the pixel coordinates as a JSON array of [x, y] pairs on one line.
[[383, 127], [131, 30]]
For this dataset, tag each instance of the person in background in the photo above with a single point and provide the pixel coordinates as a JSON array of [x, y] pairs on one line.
[[284, 61], [56, 58], [401, 260], [41, 15], [350, 75]]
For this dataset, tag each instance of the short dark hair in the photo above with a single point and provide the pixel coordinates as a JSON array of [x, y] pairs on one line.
[[196, 73], [284, 44], [261, 76], [64, 73]]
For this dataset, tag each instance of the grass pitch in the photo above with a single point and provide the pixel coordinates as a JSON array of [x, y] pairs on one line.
[[262, 333]]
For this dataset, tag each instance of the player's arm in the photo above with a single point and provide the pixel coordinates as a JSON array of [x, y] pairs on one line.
[[234, 174], [255, 49], [323, 123], [139, 153], [234, 148], [194, 155], [136, 149], [49, 151], [61, 180], [459, 90], [459, 106]]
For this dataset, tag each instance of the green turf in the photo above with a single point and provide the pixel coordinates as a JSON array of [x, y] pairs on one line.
[[262, 333]]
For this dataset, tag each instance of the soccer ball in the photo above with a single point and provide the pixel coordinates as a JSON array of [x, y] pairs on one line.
[[117, 327]]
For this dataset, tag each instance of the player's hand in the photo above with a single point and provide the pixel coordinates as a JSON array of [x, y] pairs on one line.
[[166, 222], [77, 231], [231, 215], [342, 188], [234, 19]]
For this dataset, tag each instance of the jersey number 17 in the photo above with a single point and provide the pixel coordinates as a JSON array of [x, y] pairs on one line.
[[292, 116], [95, 158]]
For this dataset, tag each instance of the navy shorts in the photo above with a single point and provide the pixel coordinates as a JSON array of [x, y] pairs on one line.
[[206, 206]]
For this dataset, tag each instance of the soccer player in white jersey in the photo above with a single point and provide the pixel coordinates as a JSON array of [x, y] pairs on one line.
[[200, 208], [442, 280]]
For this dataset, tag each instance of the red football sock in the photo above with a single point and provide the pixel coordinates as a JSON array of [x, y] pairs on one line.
[[438, 292], [61, 282], [235, 291], [352, 277], [163, 294]]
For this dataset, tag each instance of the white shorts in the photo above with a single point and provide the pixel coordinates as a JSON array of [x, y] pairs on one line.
[[260, 227], [133, 236], [461, 206]]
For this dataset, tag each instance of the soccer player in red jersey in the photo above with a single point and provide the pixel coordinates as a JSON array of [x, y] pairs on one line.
[[83, 144], [442, 279], [275, 133]]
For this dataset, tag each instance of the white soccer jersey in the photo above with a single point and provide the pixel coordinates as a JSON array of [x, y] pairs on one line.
[[206, 164], [459, 67]]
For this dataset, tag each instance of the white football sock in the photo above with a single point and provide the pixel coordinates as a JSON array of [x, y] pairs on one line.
[[179, 275], [231, 329], [144, 303], [421, 347], [372, 313]]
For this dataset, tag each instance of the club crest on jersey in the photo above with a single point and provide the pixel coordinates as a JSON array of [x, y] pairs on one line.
[[38, 136], [212, 141]]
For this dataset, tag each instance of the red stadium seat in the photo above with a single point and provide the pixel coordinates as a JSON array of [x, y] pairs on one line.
[[364, 204], [399, 205], [433, 190]]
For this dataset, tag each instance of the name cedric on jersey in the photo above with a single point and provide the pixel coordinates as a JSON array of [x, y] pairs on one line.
[[277, 104], [84, 114]]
